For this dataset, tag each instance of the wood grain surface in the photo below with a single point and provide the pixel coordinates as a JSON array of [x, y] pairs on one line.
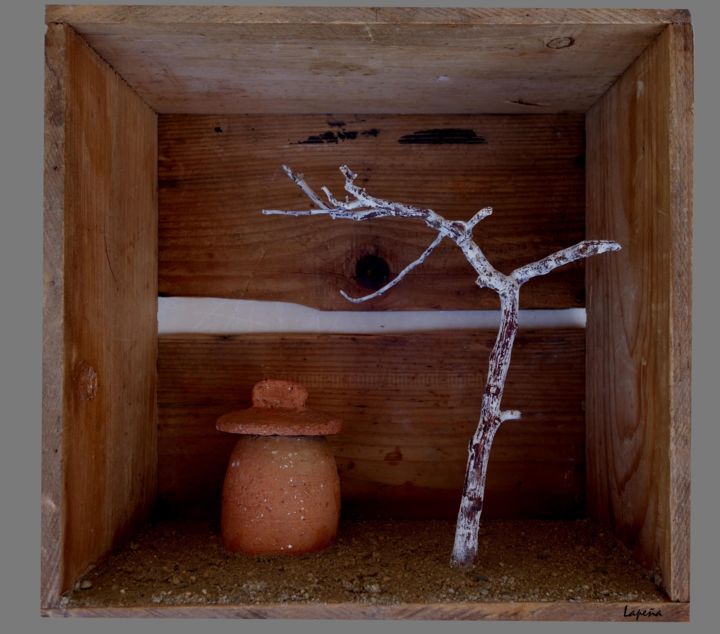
[[100, 329], [53, 311], [218, 172], [409, 404], [195, 14], [639, 307], [544, 611], [373, 60]]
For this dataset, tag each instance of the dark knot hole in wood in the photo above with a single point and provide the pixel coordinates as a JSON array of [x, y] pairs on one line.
[[372, 272]]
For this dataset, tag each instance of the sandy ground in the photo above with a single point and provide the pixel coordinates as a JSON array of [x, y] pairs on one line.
[[379, 562]]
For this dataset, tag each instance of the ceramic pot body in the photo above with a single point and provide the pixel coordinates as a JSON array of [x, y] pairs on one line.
[[281, 495]]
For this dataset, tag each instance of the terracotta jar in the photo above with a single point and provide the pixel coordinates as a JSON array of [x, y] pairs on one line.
[[281, 491]]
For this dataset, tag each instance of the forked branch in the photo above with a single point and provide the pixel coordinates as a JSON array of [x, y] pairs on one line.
[[359, 205]]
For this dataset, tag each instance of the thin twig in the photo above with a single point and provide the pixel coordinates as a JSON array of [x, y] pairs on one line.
[[300, 182], [395, 280]]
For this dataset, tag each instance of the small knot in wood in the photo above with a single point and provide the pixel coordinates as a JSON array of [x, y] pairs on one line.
[[86, 380], [561, 42]]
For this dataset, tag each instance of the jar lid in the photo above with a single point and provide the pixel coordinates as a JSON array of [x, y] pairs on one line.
[[278, 409]]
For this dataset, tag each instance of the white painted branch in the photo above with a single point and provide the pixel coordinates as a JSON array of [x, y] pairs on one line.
[[364, 207], [395, 280], [510, 414], [333, 201], [300, 182], [578, 251], [478, 217]]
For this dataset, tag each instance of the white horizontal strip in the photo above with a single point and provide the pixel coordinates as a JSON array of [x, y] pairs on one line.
[[237, 316]]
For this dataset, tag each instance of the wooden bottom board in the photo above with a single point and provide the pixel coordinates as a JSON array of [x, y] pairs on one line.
[[550, 611]]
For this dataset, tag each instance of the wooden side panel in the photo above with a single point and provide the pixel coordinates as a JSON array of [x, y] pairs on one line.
[[409, 404], [218, 172], [53, 308], [366, 59], [101, 305], [179, 15], [639, 193], [370, 67]]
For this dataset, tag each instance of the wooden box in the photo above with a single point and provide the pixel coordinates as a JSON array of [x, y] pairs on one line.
[[165, 129]]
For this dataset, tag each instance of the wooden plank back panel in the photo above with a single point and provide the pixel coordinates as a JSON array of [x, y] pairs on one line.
[[218, 172], [409, 403], [101, 252], [380, 60], [639, 193]]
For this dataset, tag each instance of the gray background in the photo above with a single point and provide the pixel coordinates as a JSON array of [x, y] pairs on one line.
[[21, 151]]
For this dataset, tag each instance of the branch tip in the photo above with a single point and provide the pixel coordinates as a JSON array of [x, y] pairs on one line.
[[328, 194], [354, 300], [579, 251], [510, 414], [480, 215], [348, 173]]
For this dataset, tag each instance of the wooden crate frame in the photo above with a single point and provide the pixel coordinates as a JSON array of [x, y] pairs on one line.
[[99, 403]]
